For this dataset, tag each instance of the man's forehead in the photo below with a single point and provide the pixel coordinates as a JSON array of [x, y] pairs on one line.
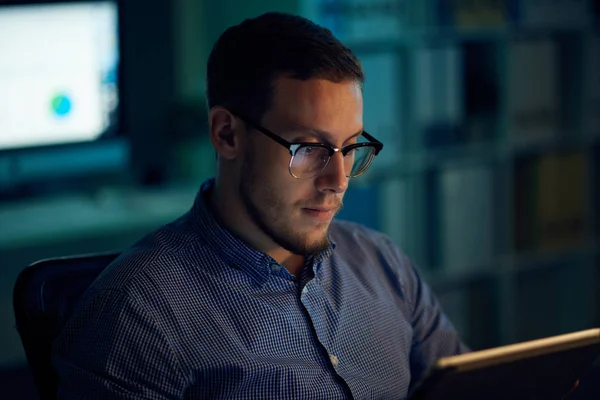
[[283, 85], [317, 105]]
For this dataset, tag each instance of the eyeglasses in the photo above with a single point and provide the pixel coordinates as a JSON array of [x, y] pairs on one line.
[[310, 159]]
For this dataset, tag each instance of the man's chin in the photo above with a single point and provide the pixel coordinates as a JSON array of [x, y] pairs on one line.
[[315, 242]]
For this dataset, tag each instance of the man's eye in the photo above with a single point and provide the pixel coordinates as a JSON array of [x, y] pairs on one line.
[[309, 151]]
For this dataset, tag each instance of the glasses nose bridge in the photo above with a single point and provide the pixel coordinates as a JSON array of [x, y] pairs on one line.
[[332, 152], [335, 150]]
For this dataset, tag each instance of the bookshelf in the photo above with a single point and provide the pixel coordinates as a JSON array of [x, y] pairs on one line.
[[489, 112]]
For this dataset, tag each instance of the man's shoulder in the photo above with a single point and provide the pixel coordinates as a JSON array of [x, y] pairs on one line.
[[355, 233], [167, 251], [359, 243]]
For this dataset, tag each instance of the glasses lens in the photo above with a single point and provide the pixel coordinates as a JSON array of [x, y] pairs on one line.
[[359, 160], [309, 161]]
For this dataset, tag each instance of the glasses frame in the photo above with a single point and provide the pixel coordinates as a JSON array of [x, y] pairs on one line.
[[294, 147]]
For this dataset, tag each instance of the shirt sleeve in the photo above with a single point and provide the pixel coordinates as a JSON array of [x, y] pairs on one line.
[[112, 349], [434, 336]]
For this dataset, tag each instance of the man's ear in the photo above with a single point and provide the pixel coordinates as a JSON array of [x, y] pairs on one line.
[[226, 133]]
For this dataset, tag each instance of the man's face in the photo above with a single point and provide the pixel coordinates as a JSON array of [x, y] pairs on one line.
[[296, 213]]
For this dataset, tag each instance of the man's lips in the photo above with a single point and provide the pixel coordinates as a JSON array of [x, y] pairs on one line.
[[321, 208], [320, 213]]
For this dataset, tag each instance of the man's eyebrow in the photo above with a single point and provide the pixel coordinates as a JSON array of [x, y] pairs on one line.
[[320, 134]]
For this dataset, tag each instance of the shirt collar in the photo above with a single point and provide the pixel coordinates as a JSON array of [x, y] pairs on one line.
[[233, 250]]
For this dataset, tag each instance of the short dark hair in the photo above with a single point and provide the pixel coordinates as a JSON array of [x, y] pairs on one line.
[[247, 58]]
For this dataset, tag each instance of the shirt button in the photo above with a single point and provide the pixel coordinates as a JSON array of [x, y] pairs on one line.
[[334, 360], [275, 267]]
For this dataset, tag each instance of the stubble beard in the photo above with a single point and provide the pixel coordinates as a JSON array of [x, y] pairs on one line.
[[271, 215]]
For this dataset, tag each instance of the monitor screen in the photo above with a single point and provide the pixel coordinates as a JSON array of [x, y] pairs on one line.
[[58, 73]]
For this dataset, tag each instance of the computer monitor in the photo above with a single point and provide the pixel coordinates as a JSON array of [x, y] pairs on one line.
[[59, 91]]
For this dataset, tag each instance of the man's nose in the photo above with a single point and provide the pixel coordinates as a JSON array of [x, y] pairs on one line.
[[333, 177]]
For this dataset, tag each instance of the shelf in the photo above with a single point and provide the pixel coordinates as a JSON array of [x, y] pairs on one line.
[[510, 264], [418, 162], [419, 37], [552, 144]]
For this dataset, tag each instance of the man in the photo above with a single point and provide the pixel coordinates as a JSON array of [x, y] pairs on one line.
[[256, 292]]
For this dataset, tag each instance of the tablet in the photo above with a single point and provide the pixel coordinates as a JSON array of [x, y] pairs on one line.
[[540, 369]]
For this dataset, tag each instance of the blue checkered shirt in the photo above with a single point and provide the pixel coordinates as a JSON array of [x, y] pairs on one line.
[[192, 312]]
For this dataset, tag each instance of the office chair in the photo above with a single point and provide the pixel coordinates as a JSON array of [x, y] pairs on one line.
[[44, 296]]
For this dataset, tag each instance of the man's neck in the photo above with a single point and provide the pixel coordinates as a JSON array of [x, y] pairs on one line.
[[229, 213], [294, 264]]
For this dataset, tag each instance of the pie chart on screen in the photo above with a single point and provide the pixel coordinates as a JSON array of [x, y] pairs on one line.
[[61, 105]]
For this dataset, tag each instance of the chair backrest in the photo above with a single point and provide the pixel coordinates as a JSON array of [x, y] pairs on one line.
[[44, 296]]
